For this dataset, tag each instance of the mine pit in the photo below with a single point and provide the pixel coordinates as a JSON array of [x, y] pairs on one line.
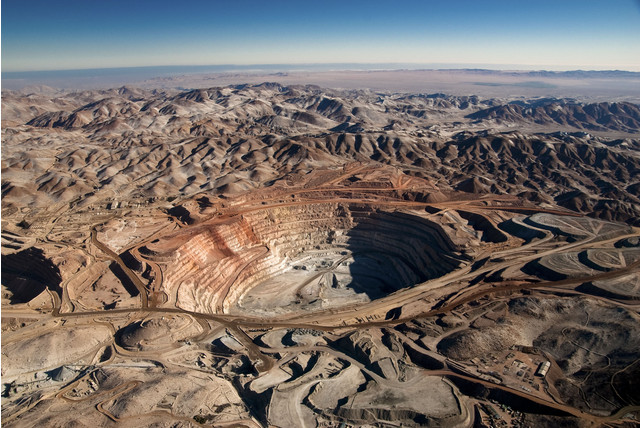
[[301, 257]]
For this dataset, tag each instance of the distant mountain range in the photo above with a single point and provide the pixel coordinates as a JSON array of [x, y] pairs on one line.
[[225, 68], [583, 156]]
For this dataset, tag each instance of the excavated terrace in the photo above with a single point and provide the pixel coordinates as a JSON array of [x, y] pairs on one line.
[[300, 257]]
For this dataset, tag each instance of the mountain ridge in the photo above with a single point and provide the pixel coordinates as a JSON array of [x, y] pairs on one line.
[[166, 142]]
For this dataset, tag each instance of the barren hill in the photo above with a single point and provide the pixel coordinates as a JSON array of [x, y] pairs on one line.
[[148, 143]]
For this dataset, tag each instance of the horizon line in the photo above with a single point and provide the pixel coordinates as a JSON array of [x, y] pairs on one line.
[[402, 66]]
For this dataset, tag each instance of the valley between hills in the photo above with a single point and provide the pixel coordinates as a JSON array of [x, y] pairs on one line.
[[289, 255]]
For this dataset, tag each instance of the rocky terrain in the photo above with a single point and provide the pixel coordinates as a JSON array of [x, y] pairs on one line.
[[150, 144], [269, 255]]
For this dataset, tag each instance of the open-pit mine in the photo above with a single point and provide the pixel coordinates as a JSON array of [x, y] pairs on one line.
[[303, 257]]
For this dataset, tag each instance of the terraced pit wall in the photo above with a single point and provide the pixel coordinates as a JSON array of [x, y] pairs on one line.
[[218, 263]]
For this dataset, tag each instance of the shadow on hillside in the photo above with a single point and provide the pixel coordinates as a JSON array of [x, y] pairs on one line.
[[390, 252], [28, 273]]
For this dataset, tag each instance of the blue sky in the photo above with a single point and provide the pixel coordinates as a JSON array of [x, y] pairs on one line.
[[557, 35]]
